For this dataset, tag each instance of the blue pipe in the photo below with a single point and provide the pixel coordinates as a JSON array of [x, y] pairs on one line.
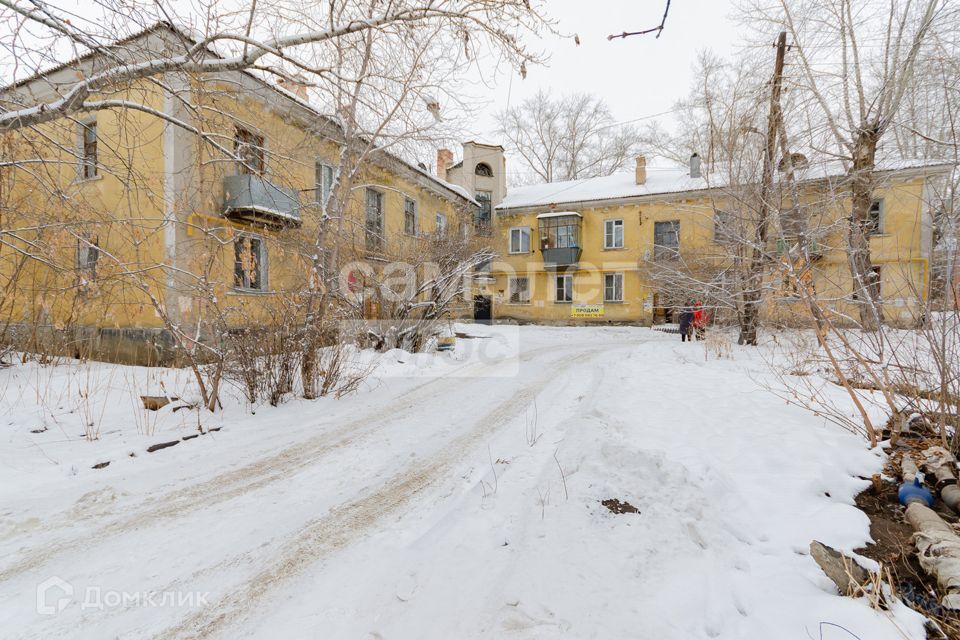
[[914, 492]]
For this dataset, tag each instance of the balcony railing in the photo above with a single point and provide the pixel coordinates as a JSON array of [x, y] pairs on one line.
[[255, 199], [793, 246]]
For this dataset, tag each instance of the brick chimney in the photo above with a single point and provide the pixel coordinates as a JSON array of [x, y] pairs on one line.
[[295, 86], [641, 169], [444, 160]]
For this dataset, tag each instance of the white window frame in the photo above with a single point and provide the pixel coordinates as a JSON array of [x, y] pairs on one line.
[[85, 166], [567, 286], [881, 217], [723, 226], [610, 233], [260, 151], [262, 265], [416, 216], [88, 254], [512, 288], [441, 221], [521, 231], [374, 237], [617, 276], [323, 178]]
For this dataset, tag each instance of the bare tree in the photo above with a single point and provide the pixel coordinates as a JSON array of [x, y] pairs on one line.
[[855, 64], [377, 74], [722, 119], [567, 138]]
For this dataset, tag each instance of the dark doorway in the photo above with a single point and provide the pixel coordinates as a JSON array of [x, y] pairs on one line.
[[482, 309]]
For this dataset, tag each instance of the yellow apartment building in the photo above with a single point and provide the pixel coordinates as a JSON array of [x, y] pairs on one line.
[[124, 222], [584, 251]]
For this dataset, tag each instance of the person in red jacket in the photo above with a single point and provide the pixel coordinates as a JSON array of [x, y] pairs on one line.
[[699, 320]]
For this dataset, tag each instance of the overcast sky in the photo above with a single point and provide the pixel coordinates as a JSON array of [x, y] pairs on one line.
[[638, 76]]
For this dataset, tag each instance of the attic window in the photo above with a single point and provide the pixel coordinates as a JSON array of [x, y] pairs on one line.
[[484, 170]]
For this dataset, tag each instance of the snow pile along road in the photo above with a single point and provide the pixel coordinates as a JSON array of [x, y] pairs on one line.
[[464, 505]]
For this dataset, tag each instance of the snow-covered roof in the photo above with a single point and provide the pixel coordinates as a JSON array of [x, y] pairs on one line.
[[195, 37], [558, 214], [664, 181]]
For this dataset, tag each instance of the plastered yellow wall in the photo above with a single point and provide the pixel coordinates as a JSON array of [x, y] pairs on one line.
[[898, 251], [124, 207]]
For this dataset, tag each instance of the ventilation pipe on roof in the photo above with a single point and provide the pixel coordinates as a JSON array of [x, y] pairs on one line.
[[695, 166], [641, 169]]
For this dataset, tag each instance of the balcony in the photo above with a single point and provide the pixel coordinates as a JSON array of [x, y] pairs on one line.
[[253, 198], [792, 246], [560, 238]]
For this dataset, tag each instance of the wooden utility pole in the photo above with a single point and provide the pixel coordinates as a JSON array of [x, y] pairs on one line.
[[752, 294]]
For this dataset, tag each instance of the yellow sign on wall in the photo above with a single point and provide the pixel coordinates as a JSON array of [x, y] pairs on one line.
[[586, 311]]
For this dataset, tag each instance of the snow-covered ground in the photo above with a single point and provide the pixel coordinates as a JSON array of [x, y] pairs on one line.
[[457, 495]]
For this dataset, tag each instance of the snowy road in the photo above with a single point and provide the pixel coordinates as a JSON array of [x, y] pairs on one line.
[[460, 506]]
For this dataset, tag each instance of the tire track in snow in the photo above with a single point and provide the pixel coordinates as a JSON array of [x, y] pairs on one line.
[[261, 473], [345, 524]]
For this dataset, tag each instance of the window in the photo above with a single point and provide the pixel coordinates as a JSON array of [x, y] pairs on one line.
[[250, 263], [793, 221], [724, 227], [520, 240], [559, 231], [409, 217], [874, 283], [875, 219], [374, 220], [482, 222], [88, 167], [613, 234], [88, 253], [519, 290], [248, 148], [441, 225], [666, 240], [566, 236], [483, 170], [564, 288], [324, 183], [613, 287]]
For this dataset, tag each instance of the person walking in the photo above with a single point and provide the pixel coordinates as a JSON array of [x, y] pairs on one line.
[[686, 321], [699, 321]]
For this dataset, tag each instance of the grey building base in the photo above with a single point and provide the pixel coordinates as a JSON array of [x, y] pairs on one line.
[[147, 347]]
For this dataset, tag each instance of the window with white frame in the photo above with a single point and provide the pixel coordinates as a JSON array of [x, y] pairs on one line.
[[409, 216], [613, 234], [323, 183], [483, 215], [250, 263], [374, 220], [520, 240], [666, 240], [88, 149], [519, 290], [441, 225], [564, 288], [724, 227], [875, 220], [249, 148], [613, 287], [88, 253]]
